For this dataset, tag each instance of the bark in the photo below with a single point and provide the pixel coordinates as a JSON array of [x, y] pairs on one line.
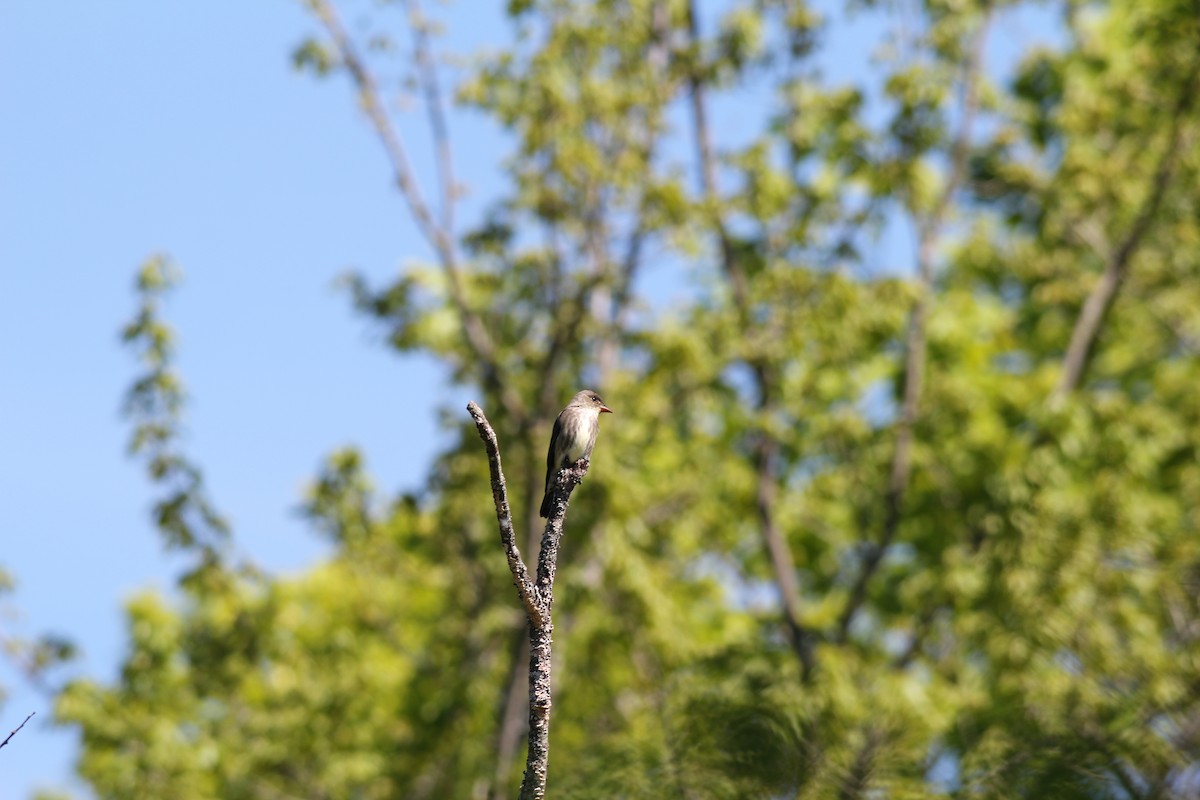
[[537, 595]]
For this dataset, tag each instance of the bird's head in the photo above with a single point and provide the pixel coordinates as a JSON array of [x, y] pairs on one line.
[[590, 400]]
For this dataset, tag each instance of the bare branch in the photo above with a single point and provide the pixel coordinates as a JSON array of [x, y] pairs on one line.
[[533, 787], [567, 317], [14, 731], [525, 587], [560, 494], [538, 598], [915, 339], [371, 98], [708, 164], [427, 70], [1095, 309], [537, 762], [439, 236]]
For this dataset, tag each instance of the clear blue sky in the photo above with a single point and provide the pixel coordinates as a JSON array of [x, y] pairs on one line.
[[128, 128]]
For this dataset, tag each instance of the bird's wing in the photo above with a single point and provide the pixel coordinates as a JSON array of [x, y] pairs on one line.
[[551, 466], [554, 434]]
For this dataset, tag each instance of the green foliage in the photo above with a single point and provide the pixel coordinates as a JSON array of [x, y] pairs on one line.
[[155, 402], [1032, 629]]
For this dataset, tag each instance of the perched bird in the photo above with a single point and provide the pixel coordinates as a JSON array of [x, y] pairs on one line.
[[574, 436]]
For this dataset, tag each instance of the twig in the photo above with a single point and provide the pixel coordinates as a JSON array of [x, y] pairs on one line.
[[437, 116], [14, 731], [373, 106], [525, 587], [537, 596]]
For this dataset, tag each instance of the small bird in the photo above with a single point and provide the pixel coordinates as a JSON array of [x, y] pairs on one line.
[[574, 437]]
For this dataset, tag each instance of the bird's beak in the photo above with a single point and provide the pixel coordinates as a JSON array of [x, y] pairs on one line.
[[605, 410]]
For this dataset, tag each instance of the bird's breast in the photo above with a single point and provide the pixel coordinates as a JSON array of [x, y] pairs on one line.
[[579, 436]]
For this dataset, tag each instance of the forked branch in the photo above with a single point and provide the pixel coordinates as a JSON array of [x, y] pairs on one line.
[[537, 595], [526, 589]]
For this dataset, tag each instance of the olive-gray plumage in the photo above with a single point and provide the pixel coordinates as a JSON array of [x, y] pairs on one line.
[[573, 437]]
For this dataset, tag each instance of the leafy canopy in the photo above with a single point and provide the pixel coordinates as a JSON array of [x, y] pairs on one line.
[[856, 529]]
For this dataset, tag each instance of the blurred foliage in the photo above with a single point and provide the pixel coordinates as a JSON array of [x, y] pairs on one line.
[[155, 403], [1033, 630]]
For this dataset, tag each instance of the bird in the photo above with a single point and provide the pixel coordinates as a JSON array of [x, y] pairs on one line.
[[573, 437]]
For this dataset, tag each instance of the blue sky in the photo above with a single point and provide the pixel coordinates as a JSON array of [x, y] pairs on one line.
[[135, 127], [130, 128]]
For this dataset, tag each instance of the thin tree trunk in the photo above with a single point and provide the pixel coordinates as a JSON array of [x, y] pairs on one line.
[[1095, 309], [778, 552]]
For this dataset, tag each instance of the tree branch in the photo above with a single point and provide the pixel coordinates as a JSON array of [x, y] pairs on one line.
[[14, 731], [767, 446], [606, 357], [767, 449], [439, 236], [437, 117], [525, 587], [1095, 309], [567, 318], [915, 339], [537, 596], [708, 164], [533, 787], [371, 98]]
